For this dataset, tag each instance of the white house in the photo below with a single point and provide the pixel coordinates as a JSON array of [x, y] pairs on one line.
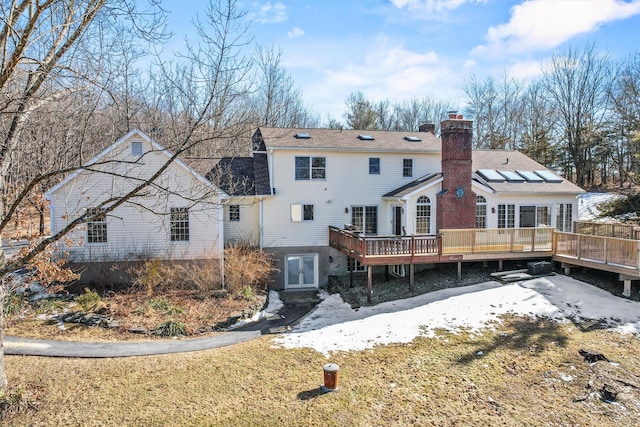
[[297, 184], [301, 181], [178, 216]]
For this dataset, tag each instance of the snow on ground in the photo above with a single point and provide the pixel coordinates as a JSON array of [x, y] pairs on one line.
[[335, 326], [274, 305], [588, 204]]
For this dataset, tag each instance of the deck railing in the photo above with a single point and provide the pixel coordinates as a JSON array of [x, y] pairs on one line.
[[450, 242], [606, 250], [608, 229], [463, 241], [362, 246]]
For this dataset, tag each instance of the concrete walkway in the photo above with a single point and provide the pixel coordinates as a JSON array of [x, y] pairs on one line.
[[289, 315]]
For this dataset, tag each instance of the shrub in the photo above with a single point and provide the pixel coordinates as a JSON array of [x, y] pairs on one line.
[[50, 306], [149, 277], [170, 328], [623, 206], [246, 266], [163, 306], [12, 304], [88, 300]]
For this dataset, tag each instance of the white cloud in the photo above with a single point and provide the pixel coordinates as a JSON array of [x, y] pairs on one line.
[[384, 72], [295, 33], [543, 24], [525, 70], [432, 5], [269, 13]]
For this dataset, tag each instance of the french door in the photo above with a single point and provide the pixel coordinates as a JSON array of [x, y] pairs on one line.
[[302, 271]]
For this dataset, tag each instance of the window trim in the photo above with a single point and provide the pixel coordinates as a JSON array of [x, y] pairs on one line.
[[481, 217], [97, 228], [136, 148], [367, 226], [506, 216], [301, 212], [234, 213], [407, 168], [423, 216], [313, 169], [374, 165], [179, 227]]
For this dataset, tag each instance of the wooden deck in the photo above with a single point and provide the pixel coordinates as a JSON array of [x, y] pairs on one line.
[[449, 246], [612, 254], [598, 252]]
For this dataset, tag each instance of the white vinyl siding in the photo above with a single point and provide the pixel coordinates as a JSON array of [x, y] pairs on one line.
[[348, 183], [134, 231]]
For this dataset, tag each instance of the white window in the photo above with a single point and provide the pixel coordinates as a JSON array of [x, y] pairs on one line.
[[300, 212], [365, 218], [179, 218], [423, 215], [96, 226], [481, 212], [310, 168], [234, 212], [407, 168], [506, 216], [136, 148], [564, 217]]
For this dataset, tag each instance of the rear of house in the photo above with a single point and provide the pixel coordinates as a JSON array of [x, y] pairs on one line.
[[390, 184], [178, 217]]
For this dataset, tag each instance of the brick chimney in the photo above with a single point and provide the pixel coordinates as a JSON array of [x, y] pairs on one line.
[[427, 127], [456, 203]]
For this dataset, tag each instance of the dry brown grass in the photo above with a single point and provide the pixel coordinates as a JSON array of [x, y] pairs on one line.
[[137, 309], [517, 380]]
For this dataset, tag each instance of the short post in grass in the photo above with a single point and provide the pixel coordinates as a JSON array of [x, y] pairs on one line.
[[330, 377]]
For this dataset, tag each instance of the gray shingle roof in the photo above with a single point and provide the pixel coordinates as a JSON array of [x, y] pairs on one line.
[[514, 161], [347, 140]]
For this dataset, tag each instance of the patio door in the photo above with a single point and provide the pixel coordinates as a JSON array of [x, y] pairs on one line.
[[397, 220], [302, 271]]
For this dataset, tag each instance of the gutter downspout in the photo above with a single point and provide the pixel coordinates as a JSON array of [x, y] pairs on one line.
[[261, 231], [221, 241]]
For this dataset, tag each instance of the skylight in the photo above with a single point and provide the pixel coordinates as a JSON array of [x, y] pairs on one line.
[[491, 175], [530, 176], [511, 176], [365, 137], [302, 135], [412, 139], [548, 176]]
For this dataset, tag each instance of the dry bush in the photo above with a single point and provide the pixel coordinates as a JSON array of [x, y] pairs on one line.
[[246, 269], [247, 272]]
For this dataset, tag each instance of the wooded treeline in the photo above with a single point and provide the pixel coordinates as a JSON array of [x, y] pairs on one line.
[[581, 117], [78, 74]]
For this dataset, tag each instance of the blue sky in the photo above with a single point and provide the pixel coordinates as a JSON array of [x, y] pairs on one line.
[[399, 49]]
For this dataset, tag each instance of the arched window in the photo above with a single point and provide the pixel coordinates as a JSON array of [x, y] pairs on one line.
[[481, 212], [423, 215]]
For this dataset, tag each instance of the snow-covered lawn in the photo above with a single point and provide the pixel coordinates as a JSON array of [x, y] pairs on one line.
[[335, 326]]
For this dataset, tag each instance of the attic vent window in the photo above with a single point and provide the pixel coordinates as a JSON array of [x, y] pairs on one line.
[[365, 137], [136, 148], [302, 135], [412, 139]]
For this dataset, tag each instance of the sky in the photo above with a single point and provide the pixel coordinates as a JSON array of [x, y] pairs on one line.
[[401, 49]]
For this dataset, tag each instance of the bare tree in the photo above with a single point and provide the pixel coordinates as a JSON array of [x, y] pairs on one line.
[[278, 102], [577, 86]]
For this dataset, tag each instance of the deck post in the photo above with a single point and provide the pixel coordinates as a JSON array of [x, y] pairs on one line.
[[500, 265], [351, 275], [627, 288], [459, 270], [369, 283], [386, 272], [411, 271]]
